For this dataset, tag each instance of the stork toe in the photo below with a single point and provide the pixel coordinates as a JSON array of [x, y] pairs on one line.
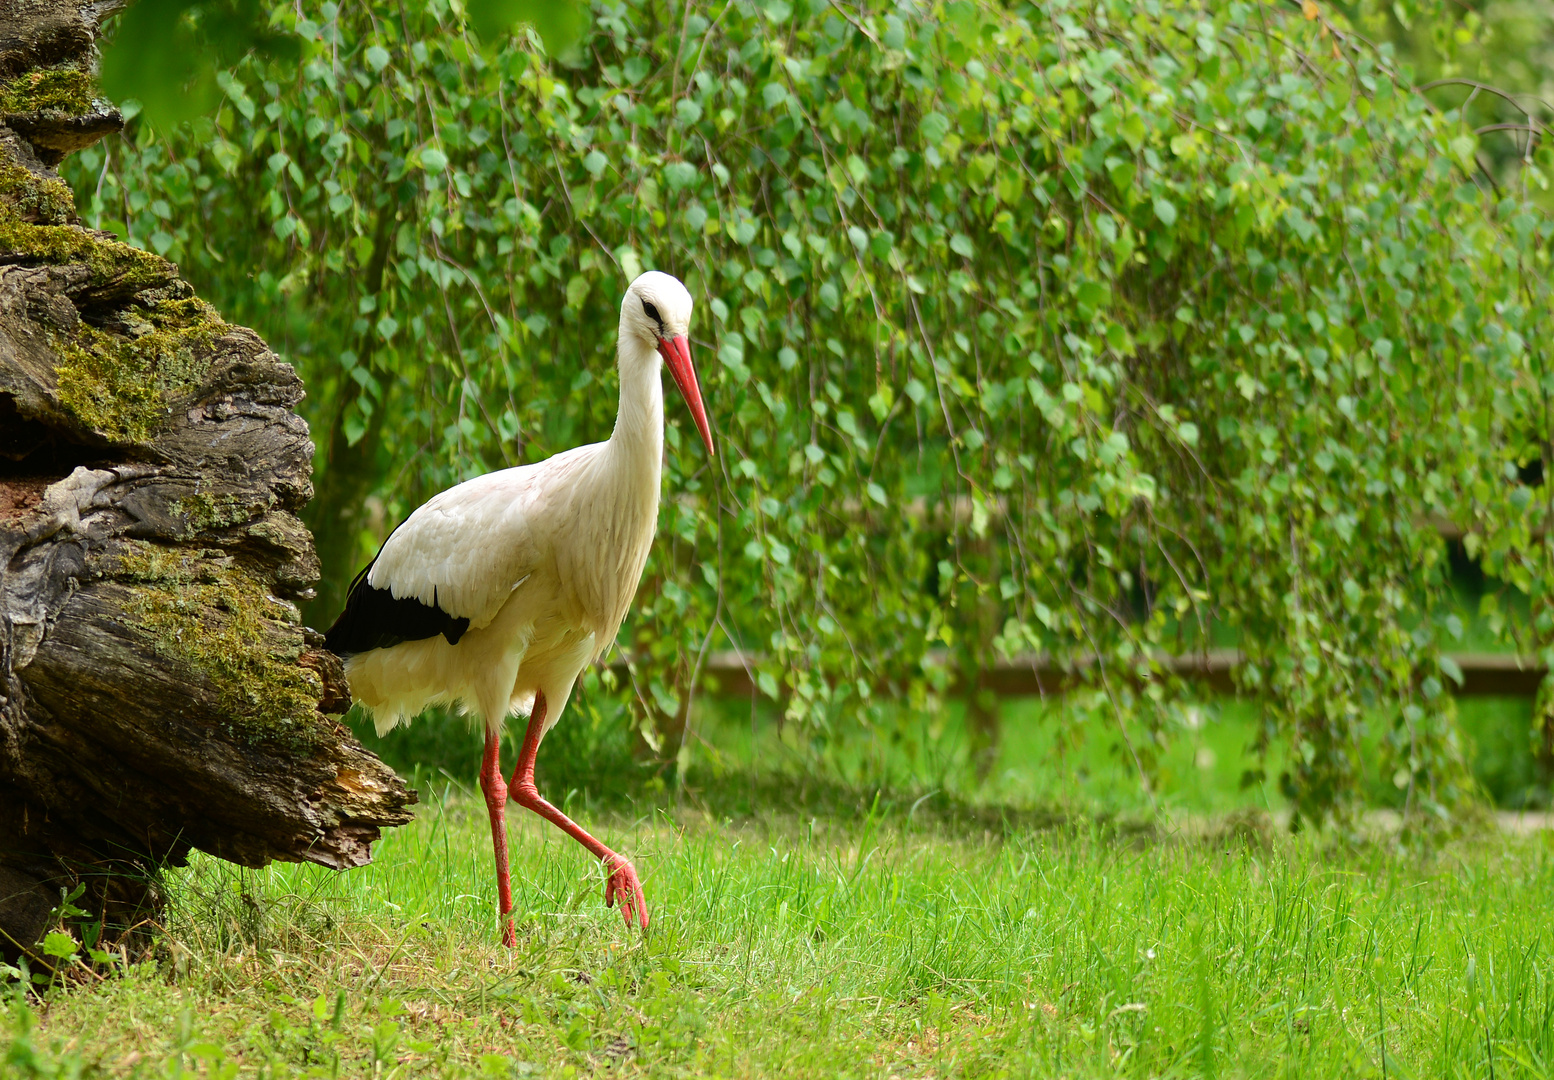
[[624, 886]]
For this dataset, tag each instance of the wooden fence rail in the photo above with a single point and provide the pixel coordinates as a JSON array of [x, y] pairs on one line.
[[1483, 674]]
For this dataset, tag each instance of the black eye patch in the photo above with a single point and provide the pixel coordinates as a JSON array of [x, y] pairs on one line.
[[652, 313]]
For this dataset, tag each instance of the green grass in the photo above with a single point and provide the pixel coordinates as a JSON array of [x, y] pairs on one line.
[[895, 943], [1050, 756], [878, 913], [1059, 758]]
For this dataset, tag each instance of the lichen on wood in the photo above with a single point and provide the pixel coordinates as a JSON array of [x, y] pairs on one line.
[[203, 511]]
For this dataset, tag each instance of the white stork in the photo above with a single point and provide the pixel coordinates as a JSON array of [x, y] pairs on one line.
[[497, 593]]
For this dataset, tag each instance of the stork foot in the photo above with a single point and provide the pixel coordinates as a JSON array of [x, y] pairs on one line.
[[626, 888]]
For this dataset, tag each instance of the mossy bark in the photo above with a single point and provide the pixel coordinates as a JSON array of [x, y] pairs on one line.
[[158, 691]]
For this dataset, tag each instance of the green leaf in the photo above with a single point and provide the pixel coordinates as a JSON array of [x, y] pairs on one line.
[[681, 175], [166, 53], [1132, 130], [881, 400], [59, 944], [1165, 211], [1452, 669], [559, 22], [433, 160], [934, 127], [1465, 149]]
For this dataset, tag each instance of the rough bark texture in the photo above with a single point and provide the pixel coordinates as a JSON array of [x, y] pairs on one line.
[[158, 691]]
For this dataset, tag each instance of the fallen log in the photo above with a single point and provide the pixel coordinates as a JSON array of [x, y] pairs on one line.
[[158, 691]]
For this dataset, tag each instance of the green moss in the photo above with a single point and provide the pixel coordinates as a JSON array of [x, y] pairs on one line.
[[36, 198], [124, 388], [219, 620], [109, 260], [35, 221], [60, 90], [119, 387], [191, 313]]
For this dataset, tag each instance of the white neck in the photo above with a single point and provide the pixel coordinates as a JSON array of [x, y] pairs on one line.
[[639, 425]]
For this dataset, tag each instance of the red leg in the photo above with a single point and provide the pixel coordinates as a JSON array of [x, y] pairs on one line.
[[623, 885], [496, 804]]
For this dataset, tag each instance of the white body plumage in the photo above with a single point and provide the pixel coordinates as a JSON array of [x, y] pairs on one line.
[[543, 560]]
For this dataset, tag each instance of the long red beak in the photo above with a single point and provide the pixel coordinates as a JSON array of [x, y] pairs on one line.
[[677, 355]]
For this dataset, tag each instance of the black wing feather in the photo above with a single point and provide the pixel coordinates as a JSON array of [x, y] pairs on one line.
[[375, 619]]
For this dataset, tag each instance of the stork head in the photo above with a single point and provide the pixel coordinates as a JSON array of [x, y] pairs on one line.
[[657, 311]]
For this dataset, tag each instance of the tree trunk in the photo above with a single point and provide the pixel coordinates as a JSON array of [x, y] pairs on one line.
[[158, 691]]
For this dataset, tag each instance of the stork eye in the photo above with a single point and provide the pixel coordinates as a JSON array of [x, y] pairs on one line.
[[652, 313]]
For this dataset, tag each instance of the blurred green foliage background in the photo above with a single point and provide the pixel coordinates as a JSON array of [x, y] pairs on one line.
[[1087, 328]]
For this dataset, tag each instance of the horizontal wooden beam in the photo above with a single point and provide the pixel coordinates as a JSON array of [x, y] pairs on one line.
[[1497, 675], [960, 509], [1483, 674]]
